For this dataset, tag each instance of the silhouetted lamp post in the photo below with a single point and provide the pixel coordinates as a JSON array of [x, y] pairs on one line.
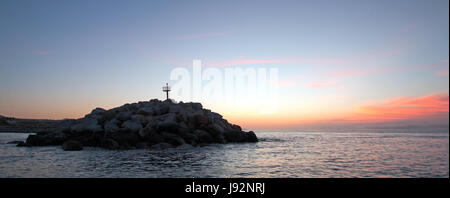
[[166, 89]]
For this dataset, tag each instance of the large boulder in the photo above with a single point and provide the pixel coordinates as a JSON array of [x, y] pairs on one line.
[[46, 139], [139, 119], [125, 138], [97, 113], [72, 145], [199, 120], [145, 111], [162, 146], [172, 139], [111, 126], [162, 109], [132, 126], [196, 105], [168, 125], [36, 140], [150, 135], [189, 138], [66, 124], [87, 124], [216, 132], [203, 136], [251, 136], [109, 143], [238, 136], [124, 116], [22, 144]]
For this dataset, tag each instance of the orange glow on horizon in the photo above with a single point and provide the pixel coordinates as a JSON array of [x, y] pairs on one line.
[[394, 109], [433, 106]]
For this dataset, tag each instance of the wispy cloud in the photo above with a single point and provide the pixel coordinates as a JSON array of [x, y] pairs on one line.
[[404, 108], [354, 72], [325, 84], [243, 61], [443, 72]]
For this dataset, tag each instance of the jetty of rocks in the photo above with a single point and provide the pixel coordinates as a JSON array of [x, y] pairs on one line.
[[147, 124]]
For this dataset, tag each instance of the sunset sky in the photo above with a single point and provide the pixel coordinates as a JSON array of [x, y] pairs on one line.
[[340, 62]]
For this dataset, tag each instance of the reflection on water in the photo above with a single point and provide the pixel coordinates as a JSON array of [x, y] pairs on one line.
[[278, 154]]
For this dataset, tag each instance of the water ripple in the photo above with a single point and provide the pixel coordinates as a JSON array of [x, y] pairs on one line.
[[278, 154]]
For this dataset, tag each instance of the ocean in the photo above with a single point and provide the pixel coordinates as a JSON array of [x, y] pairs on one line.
[[308, 154]]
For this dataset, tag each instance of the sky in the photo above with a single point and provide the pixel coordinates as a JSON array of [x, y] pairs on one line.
[[340, 62]]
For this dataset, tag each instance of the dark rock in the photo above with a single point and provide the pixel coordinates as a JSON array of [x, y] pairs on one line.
[[162, 109], [111, 126], [14, 142], [141, 145], [236, 127], [72, 145], [161, 146], [203, 136], [22, 143], [66, 124], [38, 140], [189, 138], [251, 136], [109, 143], [145, 111], [92, 139], [238, 136], [96, 114], [150, 135], [196, 105], [87, 124], [168, 125], [185, 146], [234, 136], [132, 126], [199, 120], [125, 138], [98, 110], [124, 116], [172, 139], [138, 118], [216, 132]]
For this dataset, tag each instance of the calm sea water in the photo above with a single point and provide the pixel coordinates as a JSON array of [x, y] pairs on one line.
[[380, 153]]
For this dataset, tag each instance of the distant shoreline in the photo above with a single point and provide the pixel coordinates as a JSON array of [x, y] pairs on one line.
[[18, 125]]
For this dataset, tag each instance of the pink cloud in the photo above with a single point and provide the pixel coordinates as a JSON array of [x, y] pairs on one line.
[[320, 85], [403, 108], [348, 73], [443, 72], [355, 72], [317, 85]]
